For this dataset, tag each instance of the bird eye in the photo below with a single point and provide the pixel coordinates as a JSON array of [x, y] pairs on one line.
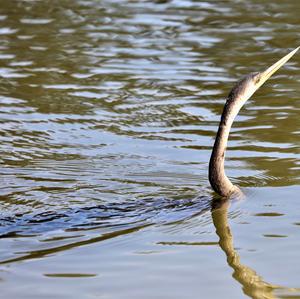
[[257, 78]]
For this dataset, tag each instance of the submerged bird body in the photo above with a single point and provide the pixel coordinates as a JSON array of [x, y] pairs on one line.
[[238, 96]]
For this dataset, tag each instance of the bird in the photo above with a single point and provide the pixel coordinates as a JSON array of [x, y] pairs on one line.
[[237, 97]]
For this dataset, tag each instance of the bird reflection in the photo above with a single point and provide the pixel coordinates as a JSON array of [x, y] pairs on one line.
[[253, 285]]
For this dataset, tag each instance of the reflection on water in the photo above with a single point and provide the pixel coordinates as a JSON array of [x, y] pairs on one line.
[[253, 285], [108, 114]]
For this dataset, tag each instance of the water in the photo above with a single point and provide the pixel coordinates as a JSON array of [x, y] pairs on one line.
[[108, 114]]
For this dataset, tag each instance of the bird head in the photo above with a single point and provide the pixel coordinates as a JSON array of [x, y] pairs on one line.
[[245, 88]]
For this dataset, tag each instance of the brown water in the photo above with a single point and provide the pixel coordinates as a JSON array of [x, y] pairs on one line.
[[108, 114]]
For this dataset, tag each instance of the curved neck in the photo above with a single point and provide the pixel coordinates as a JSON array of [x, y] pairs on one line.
[[217, 177]]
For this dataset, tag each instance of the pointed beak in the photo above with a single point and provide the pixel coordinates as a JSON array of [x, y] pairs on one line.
[[264, 76]]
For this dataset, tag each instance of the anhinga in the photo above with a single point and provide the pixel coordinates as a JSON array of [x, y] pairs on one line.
[[240, 93]]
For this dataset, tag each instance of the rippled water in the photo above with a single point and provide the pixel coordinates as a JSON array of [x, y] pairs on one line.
[[108, 114]]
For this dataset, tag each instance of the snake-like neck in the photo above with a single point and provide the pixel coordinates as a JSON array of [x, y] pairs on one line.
[[240, 93], [217, 177]]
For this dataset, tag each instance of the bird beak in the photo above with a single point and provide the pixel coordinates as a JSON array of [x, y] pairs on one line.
[[264, 76]]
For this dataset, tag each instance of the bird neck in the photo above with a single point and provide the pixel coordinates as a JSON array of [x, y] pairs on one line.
[[217, 177]]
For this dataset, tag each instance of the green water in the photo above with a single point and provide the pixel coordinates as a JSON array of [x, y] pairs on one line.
[[108, 112]]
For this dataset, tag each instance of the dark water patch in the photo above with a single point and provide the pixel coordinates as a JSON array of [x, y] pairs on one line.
[[274, 236], [22, 256], [70, 275], [146, 211], [269, 214], [188, 243]]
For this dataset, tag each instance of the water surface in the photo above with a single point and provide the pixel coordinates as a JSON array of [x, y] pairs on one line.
[[108, 114]]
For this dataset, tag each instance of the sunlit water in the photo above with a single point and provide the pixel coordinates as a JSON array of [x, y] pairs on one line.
[[108, 114]]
